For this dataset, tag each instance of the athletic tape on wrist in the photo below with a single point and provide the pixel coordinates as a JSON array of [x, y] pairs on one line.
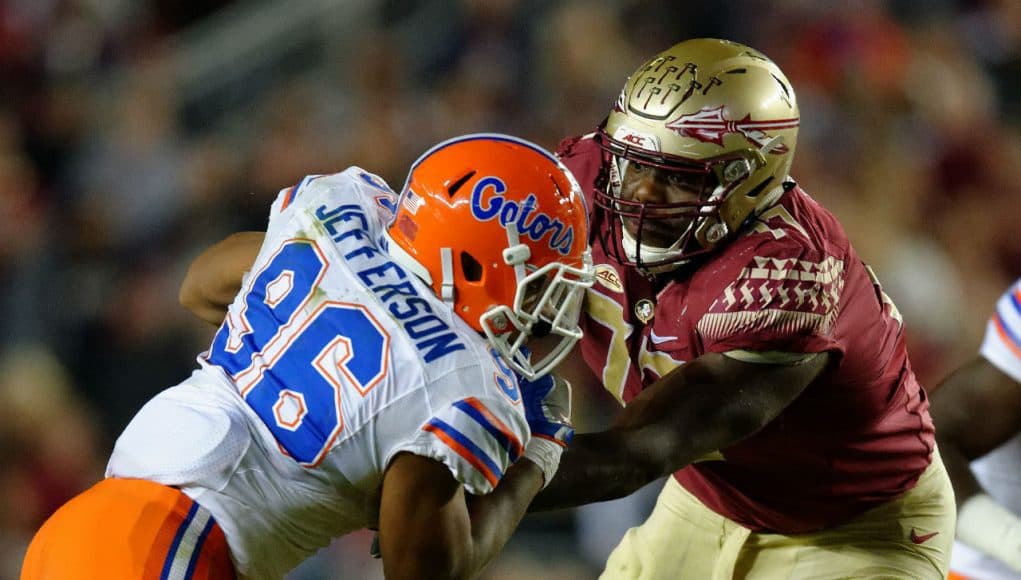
[[545, 454]]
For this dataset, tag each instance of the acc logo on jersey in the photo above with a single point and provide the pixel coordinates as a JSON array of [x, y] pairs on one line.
[[608, 278], [488, 203]]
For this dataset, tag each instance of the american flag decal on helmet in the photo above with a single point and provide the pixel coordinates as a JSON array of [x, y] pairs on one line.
[[710, 126], [784, 295], [411, 202]]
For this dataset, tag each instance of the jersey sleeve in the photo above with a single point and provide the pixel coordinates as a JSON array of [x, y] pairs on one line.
[[324, 196], [477, 438], [1002, 343], [583, 157], [286, 198], [782, 297]]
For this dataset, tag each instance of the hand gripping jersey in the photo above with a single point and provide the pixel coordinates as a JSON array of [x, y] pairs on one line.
[[858, 436], [998, 471], [332, 359]]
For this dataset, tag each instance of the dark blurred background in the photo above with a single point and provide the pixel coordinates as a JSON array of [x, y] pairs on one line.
[[135, 133]]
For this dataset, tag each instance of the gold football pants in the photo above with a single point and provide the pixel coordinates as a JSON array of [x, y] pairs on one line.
[[910, 537]]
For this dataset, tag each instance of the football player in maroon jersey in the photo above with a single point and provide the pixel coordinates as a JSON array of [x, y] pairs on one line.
[[758, 358]]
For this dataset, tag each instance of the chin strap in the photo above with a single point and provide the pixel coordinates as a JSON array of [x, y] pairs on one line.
[[516, 253], [650, 254], [447, 283]]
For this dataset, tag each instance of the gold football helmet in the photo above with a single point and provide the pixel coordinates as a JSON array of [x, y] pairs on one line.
[[716, 116]]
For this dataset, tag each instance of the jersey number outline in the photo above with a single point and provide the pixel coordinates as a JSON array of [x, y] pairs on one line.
[[886, 303], [610, 314], [292, 365]]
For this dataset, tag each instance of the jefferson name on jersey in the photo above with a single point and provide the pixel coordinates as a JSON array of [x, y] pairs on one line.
[[346, 224]]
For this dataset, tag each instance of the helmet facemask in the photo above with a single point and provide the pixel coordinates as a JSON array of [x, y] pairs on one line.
[[547, 302], [656, 237]]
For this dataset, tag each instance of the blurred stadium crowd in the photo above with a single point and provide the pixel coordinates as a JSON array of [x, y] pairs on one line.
[[132, 134]]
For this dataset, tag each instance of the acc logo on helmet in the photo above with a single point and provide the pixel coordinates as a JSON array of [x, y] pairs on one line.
[[637, 138]]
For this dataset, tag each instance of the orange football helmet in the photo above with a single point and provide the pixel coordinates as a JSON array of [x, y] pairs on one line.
[[499, 228]]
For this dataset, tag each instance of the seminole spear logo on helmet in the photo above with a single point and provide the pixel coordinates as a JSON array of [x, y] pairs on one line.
[[710, 126]]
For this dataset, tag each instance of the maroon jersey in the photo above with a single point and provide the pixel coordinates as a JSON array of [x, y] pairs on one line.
[[858, 436]]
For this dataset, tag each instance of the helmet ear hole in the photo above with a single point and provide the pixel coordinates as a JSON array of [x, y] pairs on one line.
[[470, 268]]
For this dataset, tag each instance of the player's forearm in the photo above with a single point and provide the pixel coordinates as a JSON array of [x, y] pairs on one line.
[[959, 469], [209, 288], [495, 516], [431, 528], [215, 276], [595, 467], [651, 439], [699, 408]]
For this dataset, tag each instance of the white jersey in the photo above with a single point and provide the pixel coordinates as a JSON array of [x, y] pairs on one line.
[[331, 361], [999, 471]]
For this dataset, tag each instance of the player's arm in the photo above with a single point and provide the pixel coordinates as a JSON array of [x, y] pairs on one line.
[[429, 527], [214, 277], [976, 409], [702, 406]]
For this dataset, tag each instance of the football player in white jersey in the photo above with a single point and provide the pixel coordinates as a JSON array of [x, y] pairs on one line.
[[977, 412], [369, 371]]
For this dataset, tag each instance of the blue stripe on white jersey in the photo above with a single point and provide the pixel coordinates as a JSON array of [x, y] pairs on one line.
[[1002, 343], [496, 429], [1015, 299], [1010, 334], [463, 446]]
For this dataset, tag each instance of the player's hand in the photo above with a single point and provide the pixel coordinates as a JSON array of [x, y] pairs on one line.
[[984, 524], [547, 403]]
